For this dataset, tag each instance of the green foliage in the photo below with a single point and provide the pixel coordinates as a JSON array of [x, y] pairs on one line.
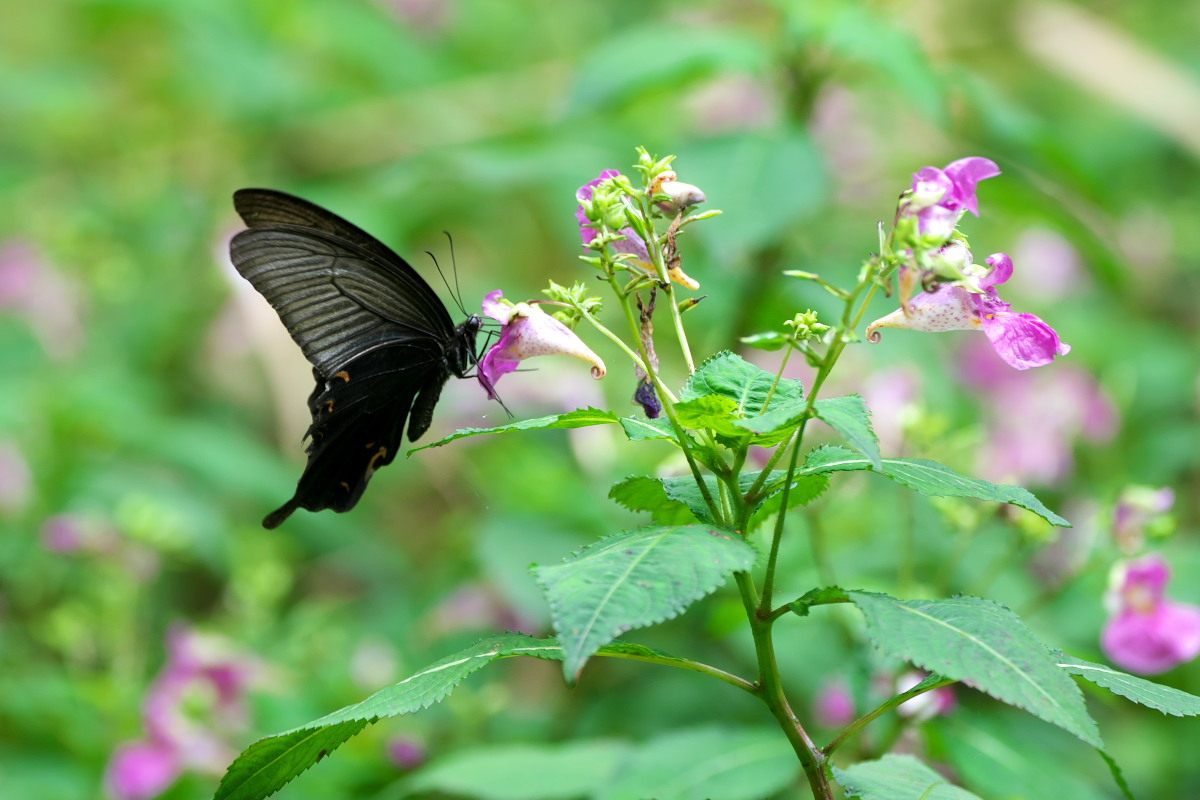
[[525, 771], [848, 415], [897, 778], [634, 579], [1166, 699], [269, 764], [580, 418], [931, 479], [985, 646]]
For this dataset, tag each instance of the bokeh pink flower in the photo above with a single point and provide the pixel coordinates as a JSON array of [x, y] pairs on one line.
[[1147, 633]]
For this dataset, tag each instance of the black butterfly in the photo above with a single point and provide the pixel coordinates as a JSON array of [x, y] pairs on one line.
[[380, 341]]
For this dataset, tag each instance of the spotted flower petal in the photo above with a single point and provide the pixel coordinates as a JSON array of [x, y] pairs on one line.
[[528, 331], [1022, 340]]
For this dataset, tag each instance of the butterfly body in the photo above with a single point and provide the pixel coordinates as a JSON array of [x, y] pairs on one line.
[[381, 343]]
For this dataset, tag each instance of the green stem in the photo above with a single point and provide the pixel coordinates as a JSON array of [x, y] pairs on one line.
[[770, 691], [668, 398], [885, 707]]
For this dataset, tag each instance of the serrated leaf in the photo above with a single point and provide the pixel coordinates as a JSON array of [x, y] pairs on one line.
[[711, 411], [633, 580], [579, 418], [1141, 691], [931, 479], [683, 489], [896, 777], [270, 763], [784, 415], [643, 493], [848, 415], [711, 762], [984, 645], [524, 771], [730, 375]]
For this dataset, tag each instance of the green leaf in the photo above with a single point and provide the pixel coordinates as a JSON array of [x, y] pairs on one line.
[[731, 376], [931, 479], [711, 762], [710, 411], [984, 645], [848, 415], [633, 580], [771, 428], [1141, 691], [896, 777], [524, 771], [683, 489], [639, 428], [643, 493], [769, 340], [821, 596], [579, 418], [270, 763]]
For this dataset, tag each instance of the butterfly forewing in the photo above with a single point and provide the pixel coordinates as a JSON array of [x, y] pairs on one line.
[[377, 335]]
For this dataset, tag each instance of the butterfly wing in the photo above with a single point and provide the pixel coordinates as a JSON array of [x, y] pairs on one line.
[[377, 336], [358, 424]]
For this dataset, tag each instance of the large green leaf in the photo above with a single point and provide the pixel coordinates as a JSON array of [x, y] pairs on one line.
[[930, 478], [848, 415], [730, 764], [524, 771], [1139, 690], [984, 645], [579, 418], [270, 763], [729, 375], [633, 580], [896, 777]]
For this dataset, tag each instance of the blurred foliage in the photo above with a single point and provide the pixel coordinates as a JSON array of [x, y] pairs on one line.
[[158, 402]]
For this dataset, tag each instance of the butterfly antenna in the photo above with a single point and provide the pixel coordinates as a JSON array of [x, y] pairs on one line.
[[454, 265], [457, 300]]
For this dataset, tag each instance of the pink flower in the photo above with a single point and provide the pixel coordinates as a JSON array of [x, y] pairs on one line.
[[528, 331], [190, 709], [142, 770], [1149, 634], [941, 196], [405, 753], [1022, 340], [834, 705]]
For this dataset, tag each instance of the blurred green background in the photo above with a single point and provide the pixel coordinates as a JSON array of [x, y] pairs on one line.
[[153, 406]]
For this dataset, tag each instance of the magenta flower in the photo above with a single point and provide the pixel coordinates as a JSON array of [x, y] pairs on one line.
[[1022, 340], [834, 705], [631, 244], [190, 709], [528, 331], [142, 770], [1148, 633], [940, 197]]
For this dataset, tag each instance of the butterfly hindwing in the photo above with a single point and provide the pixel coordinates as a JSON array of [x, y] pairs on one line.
[[359, 415]]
